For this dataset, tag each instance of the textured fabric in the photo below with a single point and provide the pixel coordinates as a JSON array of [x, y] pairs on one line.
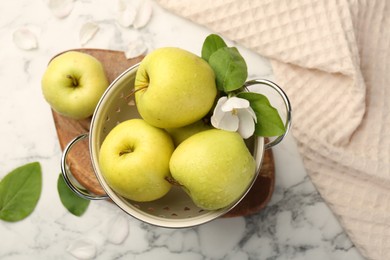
[[332, 57]]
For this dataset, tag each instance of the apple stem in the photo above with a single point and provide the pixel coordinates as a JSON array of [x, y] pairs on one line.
[[125, 151], [75, 83], [135, 90], [172, 181]]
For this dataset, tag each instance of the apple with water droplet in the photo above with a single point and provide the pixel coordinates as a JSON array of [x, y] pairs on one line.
[[181, 133], [174, 88], [214, 167], [134, 160], [73, 84]]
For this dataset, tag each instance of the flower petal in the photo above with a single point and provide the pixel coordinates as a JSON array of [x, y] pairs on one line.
[[247, 125], [222, 100], [135, 49], [118, 230], [143, 15], [87, 31], [25, 39], [60, 8], [216, 118], [235, 102], [218, 113], [127, 14], [82, 249], [229, 122]]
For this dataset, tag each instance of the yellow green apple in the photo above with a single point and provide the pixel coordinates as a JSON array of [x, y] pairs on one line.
[[181, 133], [214, 167], [73, 84], [134, 160], [174, 88]]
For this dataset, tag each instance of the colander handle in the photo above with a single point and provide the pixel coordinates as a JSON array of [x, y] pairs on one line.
[[66, 174], [287, 104]]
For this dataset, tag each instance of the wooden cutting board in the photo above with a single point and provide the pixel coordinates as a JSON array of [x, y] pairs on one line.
[[114, 63]]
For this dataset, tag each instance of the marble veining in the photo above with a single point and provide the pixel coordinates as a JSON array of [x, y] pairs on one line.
[[296, 224]]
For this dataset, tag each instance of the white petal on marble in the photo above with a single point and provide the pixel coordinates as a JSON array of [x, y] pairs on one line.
[[211, 234], [82, 249], [87, 32], [144, 14], [25, 39], [135, 49], [127, 14], [60, 8], [118, 229]]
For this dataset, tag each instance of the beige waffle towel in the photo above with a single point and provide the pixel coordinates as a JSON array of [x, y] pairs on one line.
[[333, 59]]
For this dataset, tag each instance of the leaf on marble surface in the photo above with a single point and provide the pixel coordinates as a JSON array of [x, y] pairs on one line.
[[25, 39], [87, 32], [127, 14], [20, 191], [73, 203], [118, 229], [144, 14], [82, 249], [60, 8]]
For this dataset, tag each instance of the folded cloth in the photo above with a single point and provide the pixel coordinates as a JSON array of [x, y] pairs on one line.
[[332, 57]]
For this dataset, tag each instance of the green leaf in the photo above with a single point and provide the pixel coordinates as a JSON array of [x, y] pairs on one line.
[[73, 203], [229, 67], [20, 191], [269, 122], [211, 44]]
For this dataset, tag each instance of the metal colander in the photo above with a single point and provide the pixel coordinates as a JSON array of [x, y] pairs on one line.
[[175, 209]]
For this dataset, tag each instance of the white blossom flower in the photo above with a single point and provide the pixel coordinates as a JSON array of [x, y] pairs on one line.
[[234, 114]]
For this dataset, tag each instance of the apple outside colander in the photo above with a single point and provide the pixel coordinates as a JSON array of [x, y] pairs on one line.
[[175, 209]]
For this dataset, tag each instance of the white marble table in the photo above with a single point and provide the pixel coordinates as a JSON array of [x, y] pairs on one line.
[[297, 224]]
